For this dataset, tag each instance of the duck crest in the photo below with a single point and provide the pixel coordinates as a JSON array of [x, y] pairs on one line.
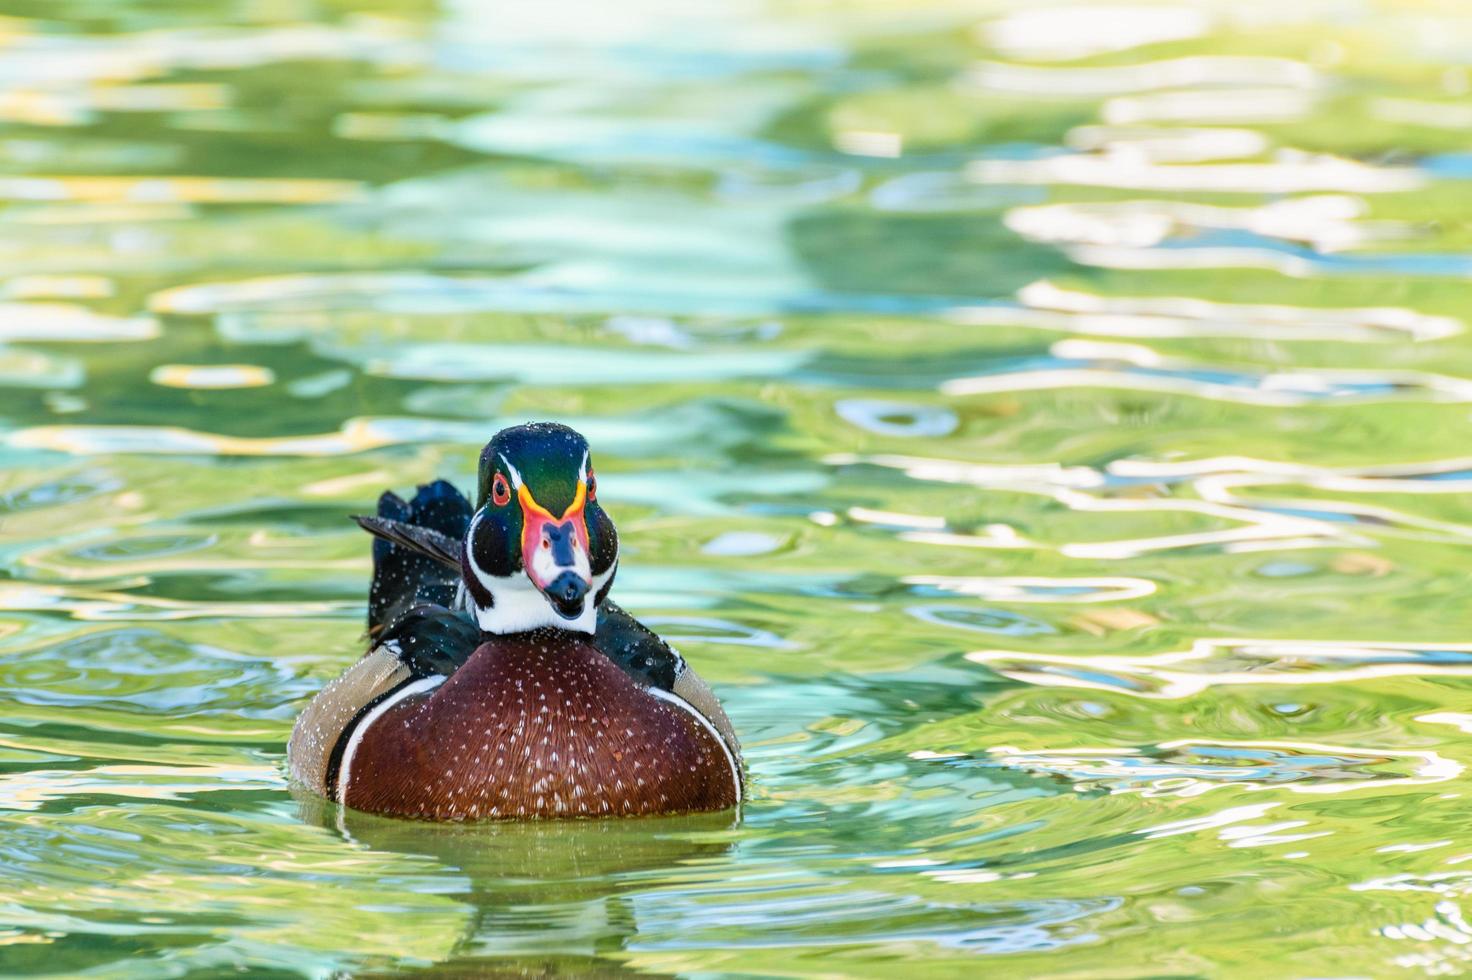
[[583, 713]]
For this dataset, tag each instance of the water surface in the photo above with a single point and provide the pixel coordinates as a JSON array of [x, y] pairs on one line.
[[1046, 426]]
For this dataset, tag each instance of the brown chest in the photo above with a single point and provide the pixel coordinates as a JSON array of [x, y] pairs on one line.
[[531, 730]]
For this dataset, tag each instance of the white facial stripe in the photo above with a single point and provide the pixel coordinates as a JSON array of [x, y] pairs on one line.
[[515, 474], [520, 605], [686, 706], [513, 471], [345, 769], [469, 538]]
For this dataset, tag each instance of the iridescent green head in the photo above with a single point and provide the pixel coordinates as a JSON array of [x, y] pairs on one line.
[[540, 551]]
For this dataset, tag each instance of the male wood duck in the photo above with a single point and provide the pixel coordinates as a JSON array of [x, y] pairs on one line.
[[501, 682]]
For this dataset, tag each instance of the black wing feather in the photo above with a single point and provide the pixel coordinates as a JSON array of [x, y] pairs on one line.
[[416, 550], [422, 540], [634, 647], [433, 640]]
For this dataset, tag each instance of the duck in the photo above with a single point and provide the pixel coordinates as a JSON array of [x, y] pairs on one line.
[[500, 680]]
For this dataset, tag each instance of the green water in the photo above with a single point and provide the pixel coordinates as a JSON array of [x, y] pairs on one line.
[[1047, 428]]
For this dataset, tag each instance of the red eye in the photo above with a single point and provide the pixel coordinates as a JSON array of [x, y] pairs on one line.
[[592, 486], [500, 491]]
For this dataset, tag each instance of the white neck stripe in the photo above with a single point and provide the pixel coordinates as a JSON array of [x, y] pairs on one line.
[[345, 769], [684, 705]]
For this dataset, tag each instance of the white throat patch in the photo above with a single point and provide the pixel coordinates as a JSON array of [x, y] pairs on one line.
[[520, 605]]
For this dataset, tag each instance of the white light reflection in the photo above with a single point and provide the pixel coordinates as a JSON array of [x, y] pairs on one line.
[[1411, 848], [868, 143], [211, 376], [52, 62], [1222, 818], [1325, 222], [1169, 144], [933, 529], [1255, 529], [1242, 105], [1050, 307], [1069, 32], [1097, 81], [980, 474], [1230, 662], [1193, 767], [67, 322], [355, 436], [1037, 588], [192, 190], [1294, 175], [1218, 479], [103, 606], [894, 519], [1448, 925], [32, 790], [1417, 112], [1141, 369], [989, 536]]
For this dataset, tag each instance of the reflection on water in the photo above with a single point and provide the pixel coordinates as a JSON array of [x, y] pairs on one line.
[[566, 889], [1044, 425]]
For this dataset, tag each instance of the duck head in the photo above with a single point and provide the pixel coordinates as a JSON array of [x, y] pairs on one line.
[[539, 551]]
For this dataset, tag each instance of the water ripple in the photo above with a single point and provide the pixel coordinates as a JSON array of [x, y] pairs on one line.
[[1318, 173], [1130, 337], [1191, 767], [1083, 363], [1214, 663], [1049, 307]]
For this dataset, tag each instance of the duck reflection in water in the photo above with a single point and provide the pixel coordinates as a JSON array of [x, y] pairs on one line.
[[551, 892]]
